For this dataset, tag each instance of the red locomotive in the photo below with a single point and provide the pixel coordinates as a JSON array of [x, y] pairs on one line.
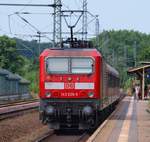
[[76, 85]]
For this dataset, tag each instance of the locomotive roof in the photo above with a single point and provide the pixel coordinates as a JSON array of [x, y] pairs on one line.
[[71, 51]]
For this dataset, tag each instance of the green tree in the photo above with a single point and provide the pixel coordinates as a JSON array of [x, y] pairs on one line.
[[9, 58], [120, 48]]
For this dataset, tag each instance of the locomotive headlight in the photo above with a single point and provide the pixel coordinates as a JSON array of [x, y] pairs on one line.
[[48, 94], [87, 110], [50, 110], [91, 94]]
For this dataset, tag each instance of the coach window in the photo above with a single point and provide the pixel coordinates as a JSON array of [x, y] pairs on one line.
[[57, 65], [81, 65]]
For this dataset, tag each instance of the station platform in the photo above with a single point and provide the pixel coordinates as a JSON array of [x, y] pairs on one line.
[[130, 122]]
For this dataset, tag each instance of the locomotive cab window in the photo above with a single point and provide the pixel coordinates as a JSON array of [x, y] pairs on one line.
[[67, 65], [81, 65], [57, 65]]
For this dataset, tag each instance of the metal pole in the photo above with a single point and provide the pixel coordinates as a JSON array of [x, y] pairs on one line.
[[57, 29], [143, 84], [113, 57], [84, 21], [125, 56], [39, 35], [57, 17], [134, 53], [97, 31]]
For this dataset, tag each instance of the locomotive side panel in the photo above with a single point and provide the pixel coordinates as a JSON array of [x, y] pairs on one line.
[[110, 85]]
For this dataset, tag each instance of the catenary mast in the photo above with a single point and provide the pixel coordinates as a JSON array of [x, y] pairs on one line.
[[84, 21]]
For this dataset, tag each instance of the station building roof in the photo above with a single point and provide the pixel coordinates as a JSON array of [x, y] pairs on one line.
[[22, 80], [11, 76], [4, 71], [139, 69]]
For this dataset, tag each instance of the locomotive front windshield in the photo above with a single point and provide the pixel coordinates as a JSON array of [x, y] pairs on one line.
[[58, 65]]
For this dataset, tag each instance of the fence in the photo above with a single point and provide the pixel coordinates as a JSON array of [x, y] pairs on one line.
[[13, 86]]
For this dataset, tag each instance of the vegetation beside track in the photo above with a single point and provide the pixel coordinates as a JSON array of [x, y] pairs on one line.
[[124, 49]]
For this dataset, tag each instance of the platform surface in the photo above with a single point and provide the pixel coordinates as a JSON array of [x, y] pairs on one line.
[[129, 123]]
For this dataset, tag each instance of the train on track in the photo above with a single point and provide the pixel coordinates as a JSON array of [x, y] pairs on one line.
[[76, 86]]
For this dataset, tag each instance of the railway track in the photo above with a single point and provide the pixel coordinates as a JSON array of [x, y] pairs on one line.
[[18, 102], [52, 136], [16, 109]]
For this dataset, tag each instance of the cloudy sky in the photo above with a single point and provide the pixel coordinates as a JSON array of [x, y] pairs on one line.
[[113, 14]]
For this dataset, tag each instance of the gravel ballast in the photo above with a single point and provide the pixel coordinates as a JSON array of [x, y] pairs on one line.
[[25, 128]]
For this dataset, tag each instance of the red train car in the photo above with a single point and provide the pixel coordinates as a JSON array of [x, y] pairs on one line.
[[76, 85]]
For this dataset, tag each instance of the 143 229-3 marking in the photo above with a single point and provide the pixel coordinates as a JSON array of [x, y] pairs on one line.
[[69, 94]]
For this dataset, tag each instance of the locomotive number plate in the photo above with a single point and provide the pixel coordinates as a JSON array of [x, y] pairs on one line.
[[69, 86], [69, 94]]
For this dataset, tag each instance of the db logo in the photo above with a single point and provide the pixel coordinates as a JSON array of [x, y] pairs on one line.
[[69, 85]]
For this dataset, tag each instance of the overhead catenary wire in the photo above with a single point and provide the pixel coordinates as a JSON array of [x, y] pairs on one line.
[[71, 12], [32, 13], [87, 24], [26, 21], [29, 2], [26, 47], [30, 5], [57, 25], [34, 28], [9, 23]]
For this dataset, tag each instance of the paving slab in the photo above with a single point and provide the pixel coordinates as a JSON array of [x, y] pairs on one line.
[[130, 122]]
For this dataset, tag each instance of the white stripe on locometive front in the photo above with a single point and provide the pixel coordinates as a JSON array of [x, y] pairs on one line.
[[60, 85], [84, 85], [54, 85]]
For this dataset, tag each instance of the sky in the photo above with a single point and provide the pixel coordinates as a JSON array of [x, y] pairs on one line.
[[113, 15]]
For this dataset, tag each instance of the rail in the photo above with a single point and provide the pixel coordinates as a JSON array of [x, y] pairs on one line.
[[19, 109], [18, 102]]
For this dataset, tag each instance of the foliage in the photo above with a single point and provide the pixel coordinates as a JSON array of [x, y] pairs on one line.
[[31, 49], [122, 48], [145, 54], [9, 58], [15, 62], [30, 72], [128, 83], [33, 77]]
